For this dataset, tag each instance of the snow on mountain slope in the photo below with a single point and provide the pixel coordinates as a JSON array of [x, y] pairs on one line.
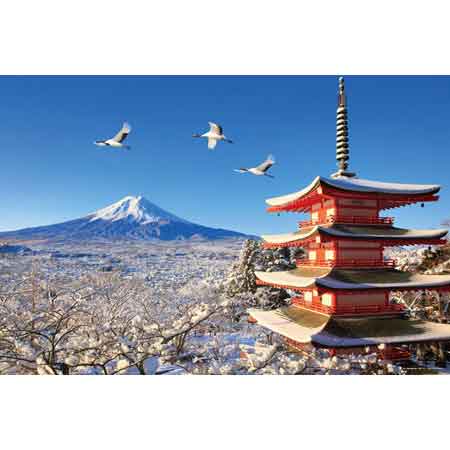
[[129, 218], [136, 209]]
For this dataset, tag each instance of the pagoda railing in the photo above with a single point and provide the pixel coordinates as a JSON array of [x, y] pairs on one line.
[[346, 262], [351, 220], [392, 353], [350, 309]]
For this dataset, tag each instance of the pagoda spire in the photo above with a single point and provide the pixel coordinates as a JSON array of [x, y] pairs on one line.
[[342, 147]]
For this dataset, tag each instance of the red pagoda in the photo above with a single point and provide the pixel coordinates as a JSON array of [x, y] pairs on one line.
[[344, 284]]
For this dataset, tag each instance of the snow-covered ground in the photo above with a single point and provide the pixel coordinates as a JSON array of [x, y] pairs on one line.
[[160, 263], [147, 307]]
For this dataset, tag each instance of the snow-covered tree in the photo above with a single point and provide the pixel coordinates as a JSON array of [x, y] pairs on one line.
[[99, 324], [241, 281], [241, 278]]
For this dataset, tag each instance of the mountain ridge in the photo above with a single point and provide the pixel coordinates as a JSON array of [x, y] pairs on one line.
[[132, 217]]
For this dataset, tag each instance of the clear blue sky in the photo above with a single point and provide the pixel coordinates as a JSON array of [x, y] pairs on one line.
[[52, 172]]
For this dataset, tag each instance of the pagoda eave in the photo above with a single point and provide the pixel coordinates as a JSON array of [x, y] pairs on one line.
[[388, 195], [303, 326], [355, 291], [386, 236], [384, 242], [285, 286], [343, 280]]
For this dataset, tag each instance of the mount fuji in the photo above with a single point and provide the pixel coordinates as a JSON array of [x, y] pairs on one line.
[[129, 218]]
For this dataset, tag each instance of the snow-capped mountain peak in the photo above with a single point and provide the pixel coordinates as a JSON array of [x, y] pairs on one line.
[[129, 218], [134, 209]]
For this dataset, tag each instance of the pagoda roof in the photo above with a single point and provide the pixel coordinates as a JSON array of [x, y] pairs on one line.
[[354, 184], [300, 325], [374, 232], [301, 277], [304, 326], [352, 279]]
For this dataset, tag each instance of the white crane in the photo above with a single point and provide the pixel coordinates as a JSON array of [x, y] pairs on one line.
[[261, 169], [117, 140], [214, 135]]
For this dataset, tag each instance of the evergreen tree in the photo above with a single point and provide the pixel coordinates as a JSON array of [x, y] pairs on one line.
[[241, 278]]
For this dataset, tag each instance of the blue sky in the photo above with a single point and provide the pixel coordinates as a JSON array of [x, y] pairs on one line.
[[51, 171]]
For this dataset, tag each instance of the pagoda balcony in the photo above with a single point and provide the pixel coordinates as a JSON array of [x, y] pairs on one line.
[[348, 220], [393, 353], [303, 262], [350, 310]]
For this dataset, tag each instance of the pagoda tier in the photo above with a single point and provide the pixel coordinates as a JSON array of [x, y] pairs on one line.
[[347, 197], [350, 292], [351, 287], [385, 236], [351, 279], [349, 245], [300, 326]]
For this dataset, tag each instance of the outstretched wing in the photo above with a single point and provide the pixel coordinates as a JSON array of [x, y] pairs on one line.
[[123, 133], [267, 164], [215, 128], [212, 143]]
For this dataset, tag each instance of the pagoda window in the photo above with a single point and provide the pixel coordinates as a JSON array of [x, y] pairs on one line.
[[331, 212], [327, 300], [312, 255], [330, 255], [315, 216], [308, 296]]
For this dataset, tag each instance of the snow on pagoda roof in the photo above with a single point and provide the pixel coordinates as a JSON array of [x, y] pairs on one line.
[[278, 201], [376, 330], [297, 278], [358, 184], [381, 278], [294, 323], [363, 232], [355, 184], [375, 232], [304, 326], [352, 279], [288, 237]]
